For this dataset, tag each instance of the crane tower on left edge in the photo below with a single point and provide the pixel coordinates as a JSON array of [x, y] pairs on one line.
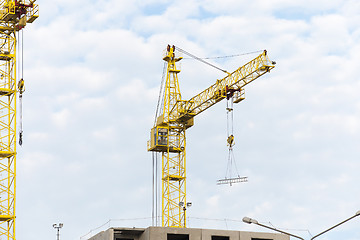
[[14, 15]]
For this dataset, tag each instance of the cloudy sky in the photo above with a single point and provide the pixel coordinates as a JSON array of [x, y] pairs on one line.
[[93, 71]]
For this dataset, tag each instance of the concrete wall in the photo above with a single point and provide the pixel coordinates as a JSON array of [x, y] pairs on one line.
[[161, 233], [128, 233], [207, 233], [263, 235], [104, 235], [145, 235]]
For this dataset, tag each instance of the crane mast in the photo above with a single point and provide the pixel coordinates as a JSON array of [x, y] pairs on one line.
[[14, 15], [168, 137], [168, 134]]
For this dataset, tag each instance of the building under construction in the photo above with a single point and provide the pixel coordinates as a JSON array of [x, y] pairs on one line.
[[173, 117], [169, 233]]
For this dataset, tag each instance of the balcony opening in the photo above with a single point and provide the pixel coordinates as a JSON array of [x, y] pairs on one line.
[[220, 238], [172, 236], [261, 239]]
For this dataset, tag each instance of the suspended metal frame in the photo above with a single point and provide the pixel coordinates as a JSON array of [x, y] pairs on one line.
[[168, 134], [14, 15], [231, 165]]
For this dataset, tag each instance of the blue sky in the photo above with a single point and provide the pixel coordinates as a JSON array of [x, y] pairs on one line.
[[93, 72]]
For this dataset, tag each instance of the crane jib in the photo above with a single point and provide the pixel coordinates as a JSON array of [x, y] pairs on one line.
[[218, 91]]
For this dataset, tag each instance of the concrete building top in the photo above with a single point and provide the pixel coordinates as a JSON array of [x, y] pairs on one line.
[[168, 233]]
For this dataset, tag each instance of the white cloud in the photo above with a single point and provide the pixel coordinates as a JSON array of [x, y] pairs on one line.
[[61, 119], [35, 161]]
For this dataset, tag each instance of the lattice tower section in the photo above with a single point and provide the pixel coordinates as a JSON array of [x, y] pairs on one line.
[[14, 15], [174, 158]]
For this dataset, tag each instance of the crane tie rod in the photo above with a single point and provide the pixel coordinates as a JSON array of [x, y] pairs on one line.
[[200, 59], [234, 55]]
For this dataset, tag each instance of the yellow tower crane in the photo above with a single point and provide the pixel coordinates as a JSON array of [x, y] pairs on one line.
[[177, 115], [14, 15]]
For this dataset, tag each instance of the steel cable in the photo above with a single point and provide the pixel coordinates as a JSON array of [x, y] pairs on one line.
[[199, 59], [161, 95]]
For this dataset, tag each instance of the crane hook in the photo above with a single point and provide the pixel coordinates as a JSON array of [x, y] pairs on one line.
[[230, 141], [21, 86]]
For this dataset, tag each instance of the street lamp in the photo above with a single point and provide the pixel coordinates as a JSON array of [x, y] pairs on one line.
[[250, 220], [356, 214], [184, 207], [57, 227]]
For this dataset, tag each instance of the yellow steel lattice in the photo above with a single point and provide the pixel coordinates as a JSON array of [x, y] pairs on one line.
[[168, 135], [14, 15], [173, 157]]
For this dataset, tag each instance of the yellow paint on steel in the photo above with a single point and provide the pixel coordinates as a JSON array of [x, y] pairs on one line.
[[168, 136], [13, 17], [216, 92]]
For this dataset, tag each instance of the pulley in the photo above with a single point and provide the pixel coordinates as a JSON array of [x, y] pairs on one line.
[[21, 86], [21, 90]]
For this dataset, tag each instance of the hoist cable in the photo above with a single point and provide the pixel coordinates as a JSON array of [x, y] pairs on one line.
[[230, 131], [22, 54], [200, 59], [160, 97], [227, 118], [157, 188], [163, 84], [155, 182], [153, 190], [21, 87], [232, 116], [21, 131], [228, 167]]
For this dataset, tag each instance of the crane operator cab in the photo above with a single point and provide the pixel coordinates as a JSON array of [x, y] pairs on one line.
[[158, 139], [161, 136], [162, 140]]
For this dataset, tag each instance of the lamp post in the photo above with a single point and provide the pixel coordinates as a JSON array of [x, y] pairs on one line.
[[57, 227], [356, 214], [188, 204], [250, 220]]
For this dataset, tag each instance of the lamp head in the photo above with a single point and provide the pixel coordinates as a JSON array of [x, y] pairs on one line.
[[357, 213], [61, 225], [54, 225], [249, 220]]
